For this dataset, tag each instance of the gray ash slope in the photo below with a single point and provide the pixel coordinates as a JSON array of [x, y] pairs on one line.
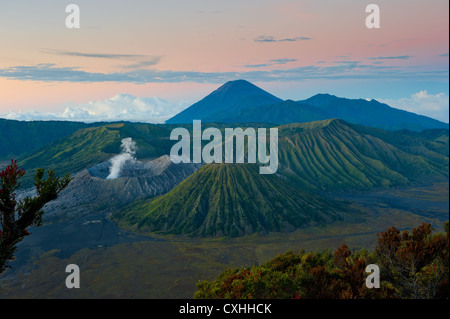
[[78, 218], [90, 190]]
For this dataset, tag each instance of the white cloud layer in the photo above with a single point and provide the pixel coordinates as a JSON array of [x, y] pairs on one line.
[[433, 105], [122, 107], [125, 107]]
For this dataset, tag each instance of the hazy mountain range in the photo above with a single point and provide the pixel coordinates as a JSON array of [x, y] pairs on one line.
[[330, 155], [326, 144], [347, 170], [234, 102], [242, 102], [219, 199]]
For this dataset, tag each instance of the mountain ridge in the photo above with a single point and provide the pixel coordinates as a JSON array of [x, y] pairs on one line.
[[230, 200], [224, 101], [242, 102], [382, 158], [376, 114], [333, 154], [18, 138]]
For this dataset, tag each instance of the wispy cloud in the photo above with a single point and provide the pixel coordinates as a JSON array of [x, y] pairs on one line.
[[265, 38], [118, 108], [138, 60], [94, 55], [143, 64], [346, 61], [263, 65], [347, 70], [271, 63], [400, 57], [444, 55], [432, 105], [283, 61], [52, 73]]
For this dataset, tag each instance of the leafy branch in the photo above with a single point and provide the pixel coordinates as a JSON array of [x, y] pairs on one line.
[[17, 216]]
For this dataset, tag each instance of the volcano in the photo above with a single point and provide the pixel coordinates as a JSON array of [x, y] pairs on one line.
[[225, 102], [91, 191], [230, 200]]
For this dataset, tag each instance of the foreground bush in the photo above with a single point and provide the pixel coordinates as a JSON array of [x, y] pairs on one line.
[[412, 264]]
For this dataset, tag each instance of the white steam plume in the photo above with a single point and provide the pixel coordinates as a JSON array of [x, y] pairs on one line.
[[128, 148]]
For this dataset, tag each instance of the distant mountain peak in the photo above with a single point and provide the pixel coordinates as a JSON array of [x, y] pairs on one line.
[[324, 95], [240, 86], [321, 98], [238, 82], [224, 102]]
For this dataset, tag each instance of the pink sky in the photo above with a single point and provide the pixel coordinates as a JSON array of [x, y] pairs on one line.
[[216, 37]]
